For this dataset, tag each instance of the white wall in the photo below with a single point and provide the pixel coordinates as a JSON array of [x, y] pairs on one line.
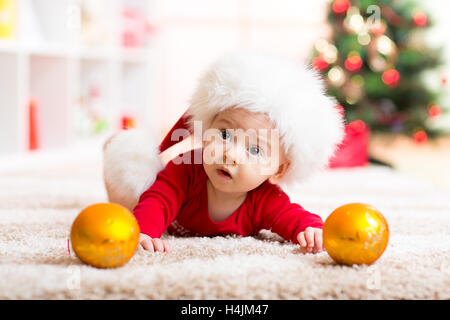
[[192, 34]]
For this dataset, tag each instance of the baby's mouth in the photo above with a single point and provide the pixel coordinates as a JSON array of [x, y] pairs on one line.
[[224, 173]]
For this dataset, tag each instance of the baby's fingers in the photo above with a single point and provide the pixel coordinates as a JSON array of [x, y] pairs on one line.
[[147, 244], [167, 247], [158, 244], [318, 241], [301, 239], [309, 236]]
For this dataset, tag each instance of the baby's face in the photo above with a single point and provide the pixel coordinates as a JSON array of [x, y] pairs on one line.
[[241, 150]]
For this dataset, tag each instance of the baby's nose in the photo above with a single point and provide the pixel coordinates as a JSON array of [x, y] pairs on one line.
[[231, 154]]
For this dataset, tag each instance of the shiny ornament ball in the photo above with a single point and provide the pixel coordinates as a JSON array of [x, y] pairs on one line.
[[355, 233], [341, 6], [420, 136], [105, 235], [320, 63], [390, 78], [353, 63], [420, 18]]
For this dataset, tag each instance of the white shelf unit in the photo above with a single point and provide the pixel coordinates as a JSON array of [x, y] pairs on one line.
[[72, 72]]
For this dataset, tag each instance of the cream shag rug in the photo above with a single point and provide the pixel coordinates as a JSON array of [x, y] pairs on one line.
[[40, 198]]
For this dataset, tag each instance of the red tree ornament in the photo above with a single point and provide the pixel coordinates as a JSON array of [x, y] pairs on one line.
[[434, 111], [340, 7], [420, 136], [378, 28], [420, 18], [319, 63], [390, 78], [353, 63]]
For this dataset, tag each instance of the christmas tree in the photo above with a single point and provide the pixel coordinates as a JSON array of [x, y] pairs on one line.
[[373, 64]]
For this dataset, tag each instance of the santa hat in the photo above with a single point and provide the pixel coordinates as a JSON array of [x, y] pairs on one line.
[[292, 95]]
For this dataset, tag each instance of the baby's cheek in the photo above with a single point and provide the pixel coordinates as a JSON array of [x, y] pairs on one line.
[[268, 168], [252, 176]]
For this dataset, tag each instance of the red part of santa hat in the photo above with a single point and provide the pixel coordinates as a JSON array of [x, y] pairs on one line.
[[169, 141]]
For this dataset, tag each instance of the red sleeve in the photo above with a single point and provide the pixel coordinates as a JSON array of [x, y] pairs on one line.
[[159, 205], [275, 212]]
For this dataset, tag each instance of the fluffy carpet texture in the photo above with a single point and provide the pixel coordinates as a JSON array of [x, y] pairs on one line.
[[40, 199]]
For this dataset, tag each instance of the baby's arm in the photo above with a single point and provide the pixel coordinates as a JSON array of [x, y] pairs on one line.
[[277, 213], [159, 205]]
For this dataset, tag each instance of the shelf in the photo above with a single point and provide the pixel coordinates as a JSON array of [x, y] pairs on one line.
[[68, 57], [9, 46], [78, 52], [10, 133]]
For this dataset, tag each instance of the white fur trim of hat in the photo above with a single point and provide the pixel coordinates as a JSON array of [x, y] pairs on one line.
[[131, 162], [290, 93]]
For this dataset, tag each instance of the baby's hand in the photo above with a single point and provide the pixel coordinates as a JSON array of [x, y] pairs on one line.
[[310, 240], [153, 244]]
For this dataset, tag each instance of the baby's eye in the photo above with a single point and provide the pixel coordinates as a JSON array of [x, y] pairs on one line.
[[254, 151], [225, 135]]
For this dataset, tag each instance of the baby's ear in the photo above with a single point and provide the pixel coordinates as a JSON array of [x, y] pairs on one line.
[[282, 169]]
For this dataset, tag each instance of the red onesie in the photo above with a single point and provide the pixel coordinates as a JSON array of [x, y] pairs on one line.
[[178, 202]]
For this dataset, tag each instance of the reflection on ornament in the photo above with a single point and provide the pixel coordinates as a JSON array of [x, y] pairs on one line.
[[336, 76], [330, 53], [354, 22], [420, 136], [377, 63], [364, 39], [321, 45], [381, 53], [420, 18], [434, 111], [390, 78], [352, 11], [384, 45], [105, 235], [357, 80], [340, 6], [355, 233]]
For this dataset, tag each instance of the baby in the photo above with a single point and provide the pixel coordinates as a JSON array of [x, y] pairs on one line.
[[264, 122]]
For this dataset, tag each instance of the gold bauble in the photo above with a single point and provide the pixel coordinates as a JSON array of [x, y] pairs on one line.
[[355, 233], [105, 235]]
